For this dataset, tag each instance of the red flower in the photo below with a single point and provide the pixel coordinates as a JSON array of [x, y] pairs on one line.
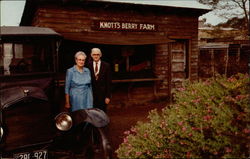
[[188, 155], [180, 123], [181, 89], [138, 153], [125, 140], [231, 79], [184, 129], [215, 153], [246, 131], [194, 128], [134, 130], [228, 149], [209, 110], [127, 132], [239, 97], [196, 101], [207, 117], [145, 135]]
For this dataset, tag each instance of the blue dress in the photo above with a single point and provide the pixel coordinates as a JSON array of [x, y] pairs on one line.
[[78, 87]]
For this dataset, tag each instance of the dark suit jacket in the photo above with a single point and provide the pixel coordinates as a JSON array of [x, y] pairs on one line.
[[101, 86]]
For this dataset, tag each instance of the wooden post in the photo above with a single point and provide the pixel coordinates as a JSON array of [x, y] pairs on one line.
[[238, 60], [212, 62], [127, 63], [226, 65]]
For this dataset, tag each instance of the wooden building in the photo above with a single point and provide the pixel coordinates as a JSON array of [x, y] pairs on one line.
[[152, 48], [224, 59]]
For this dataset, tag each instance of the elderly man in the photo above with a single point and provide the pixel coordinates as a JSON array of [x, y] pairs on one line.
[[101, 80]]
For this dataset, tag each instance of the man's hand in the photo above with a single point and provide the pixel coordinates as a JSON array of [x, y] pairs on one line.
[[107, 100]]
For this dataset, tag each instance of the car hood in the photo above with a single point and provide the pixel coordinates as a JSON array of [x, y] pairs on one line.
[[12, 95]]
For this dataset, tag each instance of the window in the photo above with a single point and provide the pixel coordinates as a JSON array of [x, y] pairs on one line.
[[26, 57], [133, 62]]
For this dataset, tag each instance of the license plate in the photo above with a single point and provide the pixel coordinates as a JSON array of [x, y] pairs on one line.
[[39, 154]]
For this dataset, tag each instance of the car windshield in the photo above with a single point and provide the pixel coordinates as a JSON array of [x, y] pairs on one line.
[[29, 56]]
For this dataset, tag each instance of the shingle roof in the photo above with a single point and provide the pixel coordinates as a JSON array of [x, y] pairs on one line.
[[188, 6], [27, 30]]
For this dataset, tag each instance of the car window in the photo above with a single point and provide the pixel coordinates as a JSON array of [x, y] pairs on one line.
[[28, 57]]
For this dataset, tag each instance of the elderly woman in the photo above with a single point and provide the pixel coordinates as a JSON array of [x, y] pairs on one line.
[[78, 89]]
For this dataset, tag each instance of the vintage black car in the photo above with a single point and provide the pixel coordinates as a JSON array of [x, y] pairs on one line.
[[30, 98]]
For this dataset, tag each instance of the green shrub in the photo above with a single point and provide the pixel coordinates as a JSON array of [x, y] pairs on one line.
[[209, 119]]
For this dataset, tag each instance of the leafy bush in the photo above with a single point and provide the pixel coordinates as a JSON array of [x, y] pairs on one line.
[[209, 119]]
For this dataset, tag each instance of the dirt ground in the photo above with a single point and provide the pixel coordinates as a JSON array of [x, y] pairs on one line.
[[124, 117]]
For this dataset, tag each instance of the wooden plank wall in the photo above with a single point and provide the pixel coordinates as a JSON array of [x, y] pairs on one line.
[[79, 20]]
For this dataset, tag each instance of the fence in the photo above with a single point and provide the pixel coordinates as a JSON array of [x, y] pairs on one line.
[[225, 59]]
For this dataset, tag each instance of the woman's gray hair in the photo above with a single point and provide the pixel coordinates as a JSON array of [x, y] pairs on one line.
[[80, 53], [96, 50]]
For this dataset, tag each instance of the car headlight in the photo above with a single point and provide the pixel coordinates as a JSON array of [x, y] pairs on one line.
[[63, 121], [1, 133]]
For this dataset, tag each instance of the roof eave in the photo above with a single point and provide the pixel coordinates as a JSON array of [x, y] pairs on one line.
[[31, 5]]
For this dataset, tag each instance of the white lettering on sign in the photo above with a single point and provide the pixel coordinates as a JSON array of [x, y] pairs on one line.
[[106, 25], [147, 26], [110, 25], [129, 26]]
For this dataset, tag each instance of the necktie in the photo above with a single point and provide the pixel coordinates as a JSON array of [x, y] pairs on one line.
[[96, 70], [96, 67]]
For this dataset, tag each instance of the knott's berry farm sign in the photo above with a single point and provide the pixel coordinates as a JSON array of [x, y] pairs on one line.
[[125, 26]]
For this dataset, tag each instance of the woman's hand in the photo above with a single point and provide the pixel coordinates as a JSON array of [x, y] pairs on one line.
[[67, 105]]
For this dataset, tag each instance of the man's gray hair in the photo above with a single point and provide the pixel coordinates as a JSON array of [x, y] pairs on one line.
[[80, 53], [96, 50]]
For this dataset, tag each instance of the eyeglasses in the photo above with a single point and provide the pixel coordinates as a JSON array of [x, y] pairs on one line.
[[96, 54], [80, 59]]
